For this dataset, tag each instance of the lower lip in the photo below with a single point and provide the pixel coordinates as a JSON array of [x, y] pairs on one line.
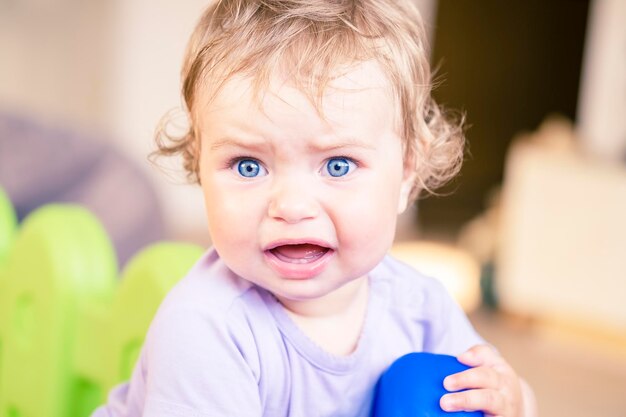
[[298, 270]]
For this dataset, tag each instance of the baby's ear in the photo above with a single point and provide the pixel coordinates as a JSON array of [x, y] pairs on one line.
[[408, 182]]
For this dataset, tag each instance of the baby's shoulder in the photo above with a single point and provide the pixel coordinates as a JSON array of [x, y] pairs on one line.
[[209, 297], [201, 339]]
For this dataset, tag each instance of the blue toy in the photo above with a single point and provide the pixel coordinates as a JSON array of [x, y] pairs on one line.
[[413, 386]]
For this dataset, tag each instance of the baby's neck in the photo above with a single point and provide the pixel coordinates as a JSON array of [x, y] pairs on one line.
[[337, 326]]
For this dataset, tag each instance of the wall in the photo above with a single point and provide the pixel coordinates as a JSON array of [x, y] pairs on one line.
[[110, 66], [601, 121]]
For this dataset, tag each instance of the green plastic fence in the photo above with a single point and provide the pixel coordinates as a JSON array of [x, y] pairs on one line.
[[69, 328], [7, 225]]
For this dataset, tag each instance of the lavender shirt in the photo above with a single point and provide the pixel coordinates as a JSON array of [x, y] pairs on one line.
[[220, 346]]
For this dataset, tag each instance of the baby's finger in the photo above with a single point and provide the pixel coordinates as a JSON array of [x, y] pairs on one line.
[[480, 355], [486, 400], [480, 377]]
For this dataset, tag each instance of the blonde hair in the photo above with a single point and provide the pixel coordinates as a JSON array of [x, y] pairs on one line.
[[311, 40]]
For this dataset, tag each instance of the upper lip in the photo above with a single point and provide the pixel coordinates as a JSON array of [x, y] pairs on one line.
[[304, 241]]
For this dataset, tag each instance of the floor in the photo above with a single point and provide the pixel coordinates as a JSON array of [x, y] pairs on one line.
[[573, 373]]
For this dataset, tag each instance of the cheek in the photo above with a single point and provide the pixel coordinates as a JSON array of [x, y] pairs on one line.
[[369, 219], [365, 237], [232, 218]]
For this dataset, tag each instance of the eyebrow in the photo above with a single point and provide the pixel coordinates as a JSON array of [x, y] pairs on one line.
[[237, 143], [322, 145], [341, 143]]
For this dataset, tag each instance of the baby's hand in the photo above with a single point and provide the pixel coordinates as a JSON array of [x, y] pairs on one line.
[[492, 386]]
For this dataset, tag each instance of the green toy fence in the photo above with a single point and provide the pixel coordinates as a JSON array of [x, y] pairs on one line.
[[69, 328]]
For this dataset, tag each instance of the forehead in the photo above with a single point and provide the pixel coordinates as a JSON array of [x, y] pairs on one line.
[[361, 87], [356, 109]]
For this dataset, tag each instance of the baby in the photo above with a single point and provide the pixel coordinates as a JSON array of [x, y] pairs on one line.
[[311, 129]]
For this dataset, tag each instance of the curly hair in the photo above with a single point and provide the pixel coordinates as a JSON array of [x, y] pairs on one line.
[[310, 41]]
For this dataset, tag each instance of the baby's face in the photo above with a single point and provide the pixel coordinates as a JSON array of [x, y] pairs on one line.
[[298, 204]]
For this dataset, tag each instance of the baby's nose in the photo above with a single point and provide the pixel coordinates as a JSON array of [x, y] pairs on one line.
[[292, 201]]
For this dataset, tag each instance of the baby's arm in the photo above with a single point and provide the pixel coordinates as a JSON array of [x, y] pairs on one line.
[[492, 386]]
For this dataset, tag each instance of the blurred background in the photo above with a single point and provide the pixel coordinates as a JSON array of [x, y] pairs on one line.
[[530, 238]]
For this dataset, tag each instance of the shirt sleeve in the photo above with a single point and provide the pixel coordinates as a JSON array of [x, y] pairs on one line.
[[194, 368], [449, 331]]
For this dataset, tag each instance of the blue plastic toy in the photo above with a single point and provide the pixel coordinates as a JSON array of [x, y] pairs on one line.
[[413, 386]]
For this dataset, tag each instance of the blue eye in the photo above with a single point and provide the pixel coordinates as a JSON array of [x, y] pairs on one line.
[[338, 167], [250, 168]]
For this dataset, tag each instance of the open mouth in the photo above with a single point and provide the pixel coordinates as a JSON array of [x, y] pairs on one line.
[[298, 260], [302, 253]]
